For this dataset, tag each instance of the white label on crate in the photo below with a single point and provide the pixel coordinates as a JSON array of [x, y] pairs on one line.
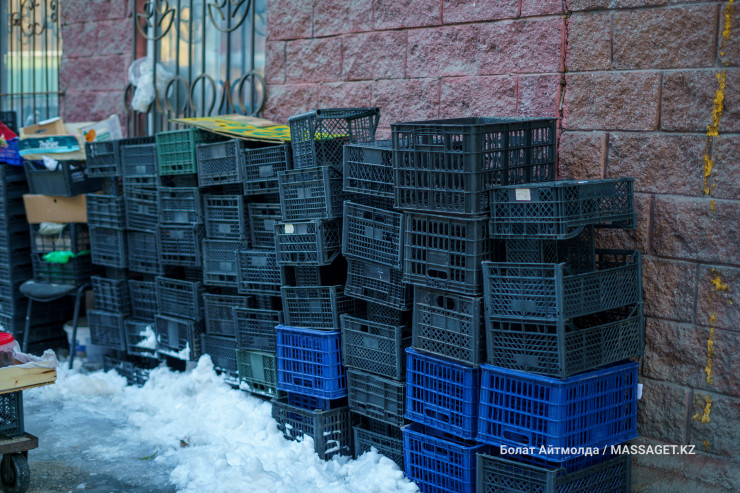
[[289, 229], [523, 194]]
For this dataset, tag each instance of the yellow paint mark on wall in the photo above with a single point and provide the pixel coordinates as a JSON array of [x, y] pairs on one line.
[[706, 445], [718, 284], [729, 8], [710, 352], [719, 104], [703, 416]]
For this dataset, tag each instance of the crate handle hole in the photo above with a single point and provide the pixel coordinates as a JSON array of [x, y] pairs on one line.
[[438, 274], [516, 436], [445, 302]]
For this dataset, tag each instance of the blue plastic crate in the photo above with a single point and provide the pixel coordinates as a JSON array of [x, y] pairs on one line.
[[442, 393], [310, 362], [9, 154], [439, 463], [593, 409]]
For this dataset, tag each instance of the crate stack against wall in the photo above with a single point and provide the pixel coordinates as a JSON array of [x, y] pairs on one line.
[[562, 322], [308, 247]]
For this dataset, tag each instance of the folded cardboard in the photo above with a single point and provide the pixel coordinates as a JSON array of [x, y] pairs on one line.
[[54, 138], [49, 208]]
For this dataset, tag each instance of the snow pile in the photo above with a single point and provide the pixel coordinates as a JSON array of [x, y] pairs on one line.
[[211, 437]]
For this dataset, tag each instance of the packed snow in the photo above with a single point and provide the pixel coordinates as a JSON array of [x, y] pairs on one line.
[[192, 432]]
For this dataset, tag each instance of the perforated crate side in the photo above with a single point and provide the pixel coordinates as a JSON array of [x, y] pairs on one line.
[[111, 294], [317, 137], [108, 247], [176, 150], [598, 473], [378, 284], [258, 272], [442, 393], [261, 168], [178, 338], [225, 217], [255, 328], [373, 235], [439, 462], [219, 163], [577, 253], [258, 372], [550, 292], [317, 306], [447, 166], [449, 324], [102, 158], [68, 180], [139, 160], [375, 347], [561, 209], [262, 221], [376, 397], [446, 252], [76, 271], [141, 340], [387, 315], [142, 209], [179, 298], [222, 351], [11, 414], [143, 294], [75, 238], [368, 168], [180, 205], [312, 193], [180, 245], [143, 252], [106, 329], [105, 211], [219, 313], [309, 362], [593, 409], [331, 430], [308, 243], [389, 446], [220, 262]]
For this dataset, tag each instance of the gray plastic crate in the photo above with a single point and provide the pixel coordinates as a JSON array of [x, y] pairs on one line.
[[262, 221], [141, 340], [255, 328], [388, 444], [368, 168], [179, 298], [143, 252], [577, 252], [178, 338], [105, 211], [222, 351], [387, 315], [139, 160], [75, 238], [258, 272], [378, 284], [220, 262], [449, 324], [374, 235], [261, 168], [143, 295], [180, 244], [219, 313], [317, 307], [225, 217], [258, 372], [11, 414], [180, 205], [308, 243], [142, 209], [219, 163], [376, 397], [375, 347], [106, 329], [68, 180], [111, 294], [108, 247], [312, 193]]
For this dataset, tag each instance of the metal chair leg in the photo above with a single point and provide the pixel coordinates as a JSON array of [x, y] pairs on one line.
[[75, 320], [27, 327]]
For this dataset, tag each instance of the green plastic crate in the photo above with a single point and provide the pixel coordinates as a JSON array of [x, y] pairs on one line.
[[176, 150]]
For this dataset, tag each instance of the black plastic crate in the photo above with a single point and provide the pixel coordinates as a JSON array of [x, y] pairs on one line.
[[374, 235], [449, 324], [311, 275], [76, 271], [445, 252], [561, 209], [143, 295], [226, 217], [142, 208], [577, 253], [261, 168], [138, 159], [258, 272], [106, 329], [143, 252], [257, 372], [552, 292], [141, 340], [262, 221], [255, 328], [368, 168], [375, 347], [308, 243], [14, 239], [14, 207], [111, 294], [222, 351], [448, 166], [387, 315], [178, 338], [11, 414], [317, 307], [103, 159], [180, 205], [378, 284], [180, 244], [562, 349], [376, 397], [219, 163], [176, 150], [108, 247], [67, 181], [219, 313], [179, 298], [312, 193], [220, 262], [74, 237], [105, 211], [318, 136], [331, 430], [389, 443]]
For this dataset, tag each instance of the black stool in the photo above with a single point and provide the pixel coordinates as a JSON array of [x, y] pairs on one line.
[[45, 292]]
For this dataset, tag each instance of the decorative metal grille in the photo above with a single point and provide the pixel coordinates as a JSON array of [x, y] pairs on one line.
[[215, 52]]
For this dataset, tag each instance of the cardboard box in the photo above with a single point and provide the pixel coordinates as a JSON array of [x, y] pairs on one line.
[[54, 139], [48, 208]]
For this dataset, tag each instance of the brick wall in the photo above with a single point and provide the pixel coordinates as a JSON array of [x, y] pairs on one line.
[[640, 84]]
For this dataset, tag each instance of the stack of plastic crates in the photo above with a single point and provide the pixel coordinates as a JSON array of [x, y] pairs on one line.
[[562, 321], [443, 171]]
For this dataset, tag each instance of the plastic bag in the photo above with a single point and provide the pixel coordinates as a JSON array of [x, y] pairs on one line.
[[141, 75]]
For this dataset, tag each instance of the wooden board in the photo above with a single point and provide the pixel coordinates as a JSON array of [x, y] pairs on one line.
[[13, 378]]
